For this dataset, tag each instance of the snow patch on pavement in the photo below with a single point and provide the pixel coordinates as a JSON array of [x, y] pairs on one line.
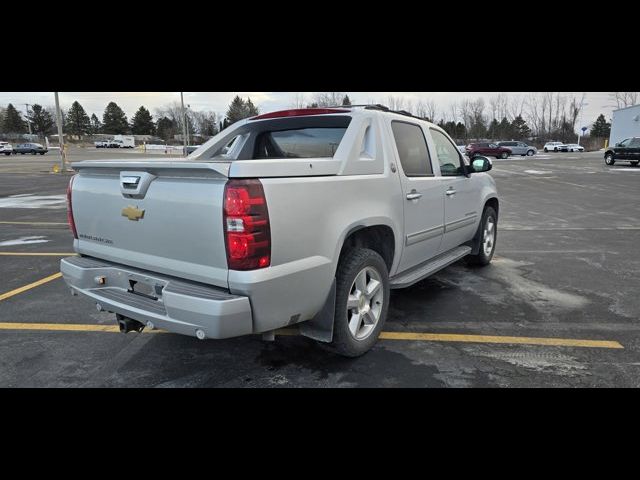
[[34, 201], [23, 241]]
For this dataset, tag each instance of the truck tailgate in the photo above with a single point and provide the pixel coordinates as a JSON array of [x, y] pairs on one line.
[[170, 221]]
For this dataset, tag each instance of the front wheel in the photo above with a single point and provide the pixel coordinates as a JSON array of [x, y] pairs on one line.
[[487, 233], [362, 302], [608, 159], [546, 150]]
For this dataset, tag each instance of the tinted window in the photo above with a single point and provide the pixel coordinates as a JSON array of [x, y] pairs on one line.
[[635, 142], [447, 153], [286, 137], [412, 149], [625, 142], [301, 143]]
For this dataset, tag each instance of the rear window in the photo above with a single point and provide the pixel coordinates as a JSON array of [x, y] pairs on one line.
[[317, 136], [299, 143]]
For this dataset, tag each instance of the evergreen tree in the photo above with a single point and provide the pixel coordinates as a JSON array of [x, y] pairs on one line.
[[601, 128], [96, 125], [494, 128], [461, 131], [13, 122], [346, 100], [519, 128], [78, 122], [236, 110], [142, 123], [251, 109], [41, 120], [239, 109], [313, 105], [504, 130], [114, 120], [166, 128]]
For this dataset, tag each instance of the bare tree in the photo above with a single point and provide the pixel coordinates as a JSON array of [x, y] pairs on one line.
[[299, 101], [624, 99], [328, 99], [430, 110], [515, 107], [395, 103]]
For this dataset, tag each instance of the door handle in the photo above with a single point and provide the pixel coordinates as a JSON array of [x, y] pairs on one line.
[[450, 192], [413, 195]]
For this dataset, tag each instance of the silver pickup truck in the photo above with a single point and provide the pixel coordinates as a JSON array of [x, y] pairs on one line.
[[305, 217]]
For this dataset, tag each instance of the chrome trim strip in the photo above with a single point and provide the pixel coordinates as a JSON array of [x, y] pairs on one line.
[[463, 222], [424, 235]]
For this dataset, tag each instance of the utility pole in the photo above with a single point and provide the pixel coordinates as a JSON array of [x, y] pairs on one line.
[[60, 137], [27, 105], [582, 105], [184, 124]]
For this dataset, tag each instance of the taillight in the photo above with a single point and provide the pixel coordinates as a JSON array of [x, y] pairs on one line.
[[72, 223], [246, 225]]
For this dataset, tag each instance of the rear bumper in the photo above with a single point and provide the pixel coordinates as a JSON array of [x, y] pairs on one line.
[[181, 306]]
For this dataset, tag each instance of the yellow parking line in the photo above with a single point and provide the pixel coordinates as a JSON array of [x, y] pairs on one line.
[[34, 223], [452, 337], [35, 254], [430, 337], [30, 286], [66, 327]]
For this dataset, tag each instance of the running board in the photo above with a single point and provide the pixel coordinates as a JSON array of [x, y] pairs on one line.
[[443, 260]]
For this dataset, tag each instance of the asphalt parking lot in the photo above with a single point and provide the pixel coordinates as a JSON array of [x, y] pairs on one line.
[[558, 307]]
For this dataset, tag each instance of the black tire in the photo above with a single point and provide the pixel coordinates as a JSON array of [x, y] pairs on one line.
[[7, 153], [609, 159], [482, 258], [353, 262], [634, 163], [504, 155], [546, 150], [555, 149], [530, 153], [42, 153]]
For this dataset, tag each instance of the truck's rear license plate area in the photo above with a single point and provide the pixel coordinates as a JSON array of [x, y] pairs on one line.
[[144, 289]]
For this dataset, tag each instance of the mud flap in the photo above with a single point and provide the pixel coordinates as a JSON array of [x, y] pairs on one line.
[[320, 327]]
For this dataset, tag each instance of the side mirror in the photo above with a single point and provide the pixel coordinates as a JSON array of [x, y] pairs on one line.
[[481, 164], [617, 145]]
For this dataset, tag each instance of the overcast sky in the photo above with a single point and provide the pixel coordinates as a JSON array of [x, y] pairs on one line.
[[95, 102]]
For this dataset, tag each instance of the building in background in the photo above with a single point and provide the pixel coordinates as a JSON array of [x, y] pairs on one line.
[[624, 124]]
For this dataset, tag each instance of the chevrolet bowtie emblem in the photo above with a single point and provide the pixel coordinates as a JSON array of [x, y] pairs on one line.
[[132, 213]]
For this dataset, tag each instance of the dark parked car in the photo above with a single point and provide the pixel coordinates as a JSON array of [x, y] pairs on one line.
[[487, 150], [33, 148], [628, 150]]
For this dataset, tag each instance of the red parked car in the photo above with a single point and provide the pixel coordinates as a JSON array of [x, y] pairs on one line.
[[487, 149]]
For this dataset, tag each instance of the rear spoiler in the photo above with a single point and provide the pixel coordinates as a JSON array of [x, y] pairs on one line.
[[157, 166]]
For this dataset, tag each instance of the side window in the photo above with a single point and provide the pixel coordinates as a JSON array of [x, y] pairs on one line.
[[635, 142], [412, 149], [625, 142], [448, 155]]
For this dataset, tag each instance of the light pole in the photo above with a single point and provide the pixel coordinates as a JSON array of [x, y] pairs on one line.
[[184, 124], [60, 137], [582, 105]]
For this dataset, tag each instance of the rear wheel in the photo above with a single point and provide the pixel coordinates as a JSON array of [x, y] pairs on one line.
[[545, 150], [362, 301], [487, 233], [530, 153], [608, 159], [504, 155]]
